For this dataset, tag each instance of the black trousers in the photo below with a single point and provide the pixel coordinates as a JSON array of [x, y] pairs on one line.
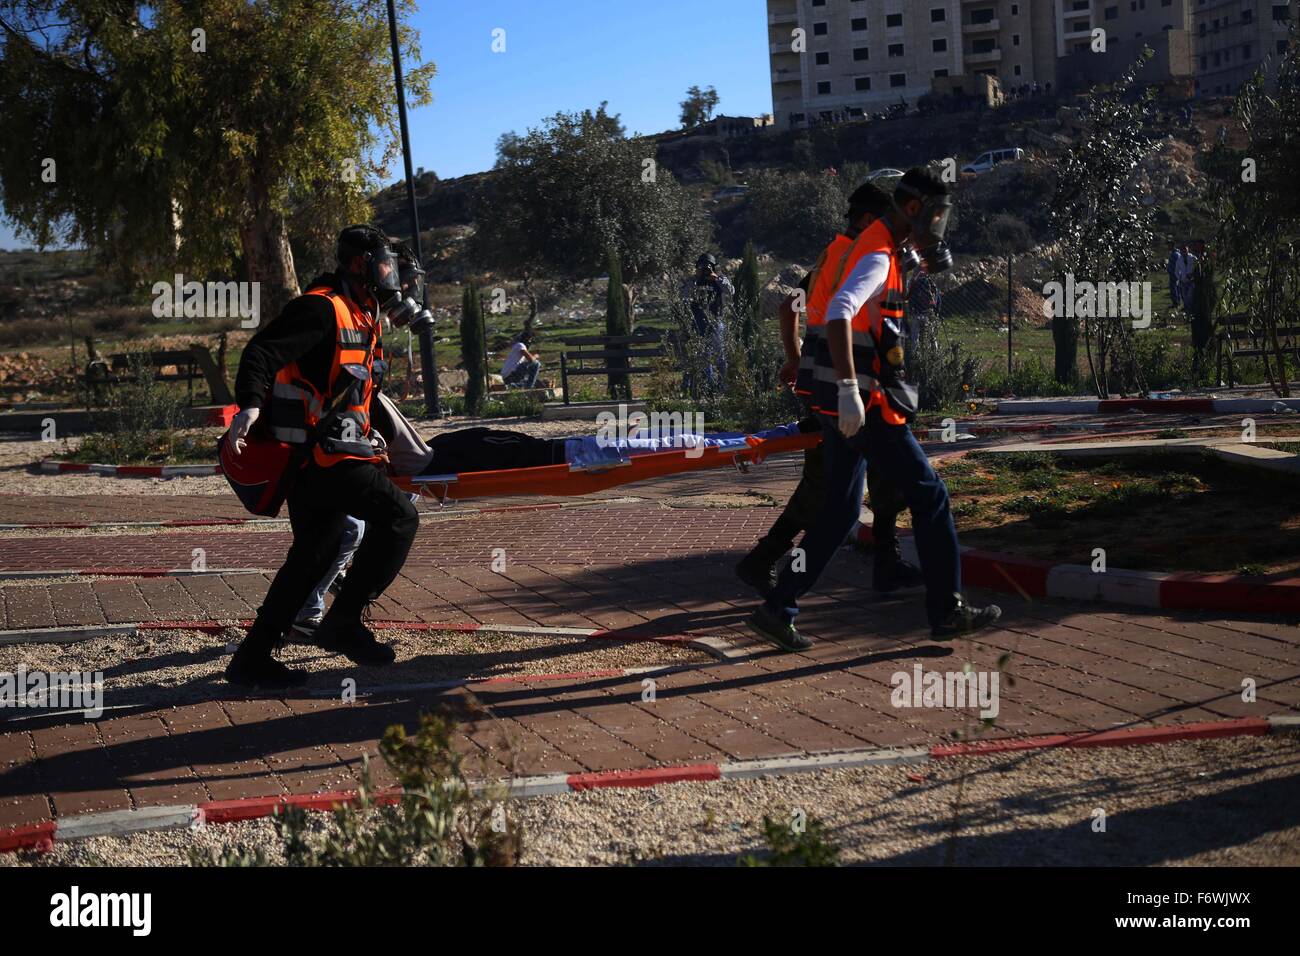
[[809, 498], [491, 449], [317, 505]]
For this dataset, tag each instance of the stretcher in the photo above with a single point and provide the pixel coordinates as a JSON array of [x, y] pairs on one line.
[[594, 466]]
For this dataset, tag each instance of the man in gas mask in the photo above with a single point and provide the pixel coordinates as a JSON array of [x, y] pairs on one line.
[[309, 379], [864, 403], [889, 571]]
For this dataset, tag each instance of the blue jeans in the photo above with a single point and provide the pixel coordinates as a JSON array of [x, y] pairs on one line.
[[524, 375], [899, 459], [353, 531]]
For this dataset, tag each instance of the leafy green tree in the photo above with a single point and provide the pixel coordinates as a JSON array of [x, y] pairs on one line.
[[471, 349], [194, 135], [617, 322], [796, 214], [1105, 232], [1254, 259], [560, 196], [698, 106]]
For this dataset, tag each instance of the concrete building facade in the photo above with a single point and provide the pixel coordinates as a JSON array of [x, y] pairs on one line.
[[840, 59]]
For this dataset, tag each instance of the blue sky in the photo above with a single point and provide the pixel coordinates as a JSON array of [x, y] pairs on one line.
[[640, 55]]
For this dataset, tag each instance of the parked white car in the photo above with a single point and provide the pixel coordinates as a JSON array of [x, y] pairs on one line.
[[986, 161], [884, 174]]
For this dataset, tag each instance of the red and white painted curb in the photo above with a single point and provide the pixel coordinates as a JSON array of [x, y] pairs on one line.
[[1178, 591], [1113, 406], [41, 837]]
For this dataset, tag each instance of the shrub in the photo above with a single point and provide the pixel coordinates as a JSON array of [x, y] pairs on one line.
[[139, 421], [440, 819], [788, 847]]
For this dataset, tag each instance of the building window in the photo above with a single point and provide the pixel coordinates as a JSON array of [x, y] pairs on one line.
[[860, 53], [938, 15], [897, 79], [819, 3], [858, 23], [1015, 9], [823, 58], [862, 83], [1017, 70], [1205, 63], [1112, 13], [982, 16], [819, 29], [1015, 39], [1281, 48], [824, 88], [1281, 12], [1247, 15], [895, 49], [939, 46], [940, 72], [894, 20]]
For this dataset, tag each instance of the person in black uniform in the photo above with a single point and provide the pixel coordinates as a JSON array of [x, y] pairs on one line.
[[309, 378]]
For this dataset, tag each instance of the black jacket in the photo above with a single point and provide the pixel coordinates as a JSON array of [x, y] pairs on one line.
[[303, 332]]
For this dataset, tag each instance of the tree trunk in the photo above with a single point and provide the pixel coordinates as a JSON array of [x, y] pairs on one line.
[[268, 260]]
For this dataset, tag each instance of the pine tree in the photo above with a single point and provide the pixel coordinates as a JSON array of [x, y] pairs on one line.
[[616, 322], [471, 349]]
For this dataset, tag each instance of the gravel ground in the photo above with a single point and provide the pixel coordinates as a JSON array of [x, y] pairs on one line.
[[1228, 802], [166, 668]]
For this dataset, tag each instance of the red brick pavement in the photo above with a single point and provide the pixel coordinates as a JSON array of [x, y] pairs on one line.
[[644, 568]]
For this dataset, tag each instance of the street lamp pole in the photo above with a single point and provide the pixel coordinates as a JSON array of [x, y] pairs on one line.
[[428, 363]]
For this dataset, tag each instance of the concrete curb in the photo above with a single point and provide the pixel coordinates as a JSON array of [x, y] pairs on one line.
[[1176, 591], [1114, 406], [52, 466], [121, 573], [42, 836]]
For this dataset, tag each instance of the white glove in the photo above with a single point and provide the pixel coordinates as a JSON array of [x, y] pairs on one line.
[[239, 427], [379, 443], [852, 414]]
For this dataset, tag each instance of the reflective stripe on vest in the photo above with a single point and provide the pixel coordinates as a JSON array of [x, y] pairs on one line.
[[297, 406], [866, 324]]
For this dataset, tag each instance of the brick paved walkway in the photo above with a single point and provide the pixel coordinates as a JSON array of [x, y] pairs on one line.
[[645, 569]]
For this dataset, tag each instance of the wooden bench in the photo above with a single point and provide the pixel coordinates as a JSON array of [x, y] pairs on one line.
[[1239, 339], [621, 350], [194, 363]]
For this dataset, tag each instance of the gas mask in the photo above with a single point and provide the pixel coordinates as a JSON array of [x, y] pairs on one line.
[[380, 278], [407, 309], [928, 228]]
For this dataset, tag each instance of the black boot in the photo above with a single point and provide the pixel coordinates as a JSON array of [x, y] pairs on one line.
[[352, 639], [256, 668], [889, 572]]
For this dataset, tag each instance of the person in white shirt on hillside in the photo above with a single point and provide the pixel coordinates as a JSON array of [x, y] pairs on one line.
[[522, 366]]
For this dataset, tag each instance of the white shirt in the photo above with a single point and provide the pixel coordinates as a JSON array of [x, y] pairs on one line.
[[1186, 267], [513, 359], [865, 286]]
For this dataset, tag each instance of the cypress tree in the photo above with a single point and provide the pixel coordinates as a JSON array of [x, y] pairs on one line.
[[616, 322], [471, 349]]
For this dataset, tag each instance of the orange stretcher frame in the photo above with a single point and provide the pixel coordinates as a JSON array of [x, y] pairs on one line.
[[565, 480]]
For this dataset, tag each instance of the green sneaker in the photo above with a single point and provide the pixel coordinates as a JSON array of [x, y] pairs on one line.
[[776, 631]]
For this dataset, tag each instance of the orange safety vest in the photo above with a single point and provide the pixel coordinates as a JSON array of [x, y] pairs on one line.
[[297, 407], [867, 326], [820, 291]]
